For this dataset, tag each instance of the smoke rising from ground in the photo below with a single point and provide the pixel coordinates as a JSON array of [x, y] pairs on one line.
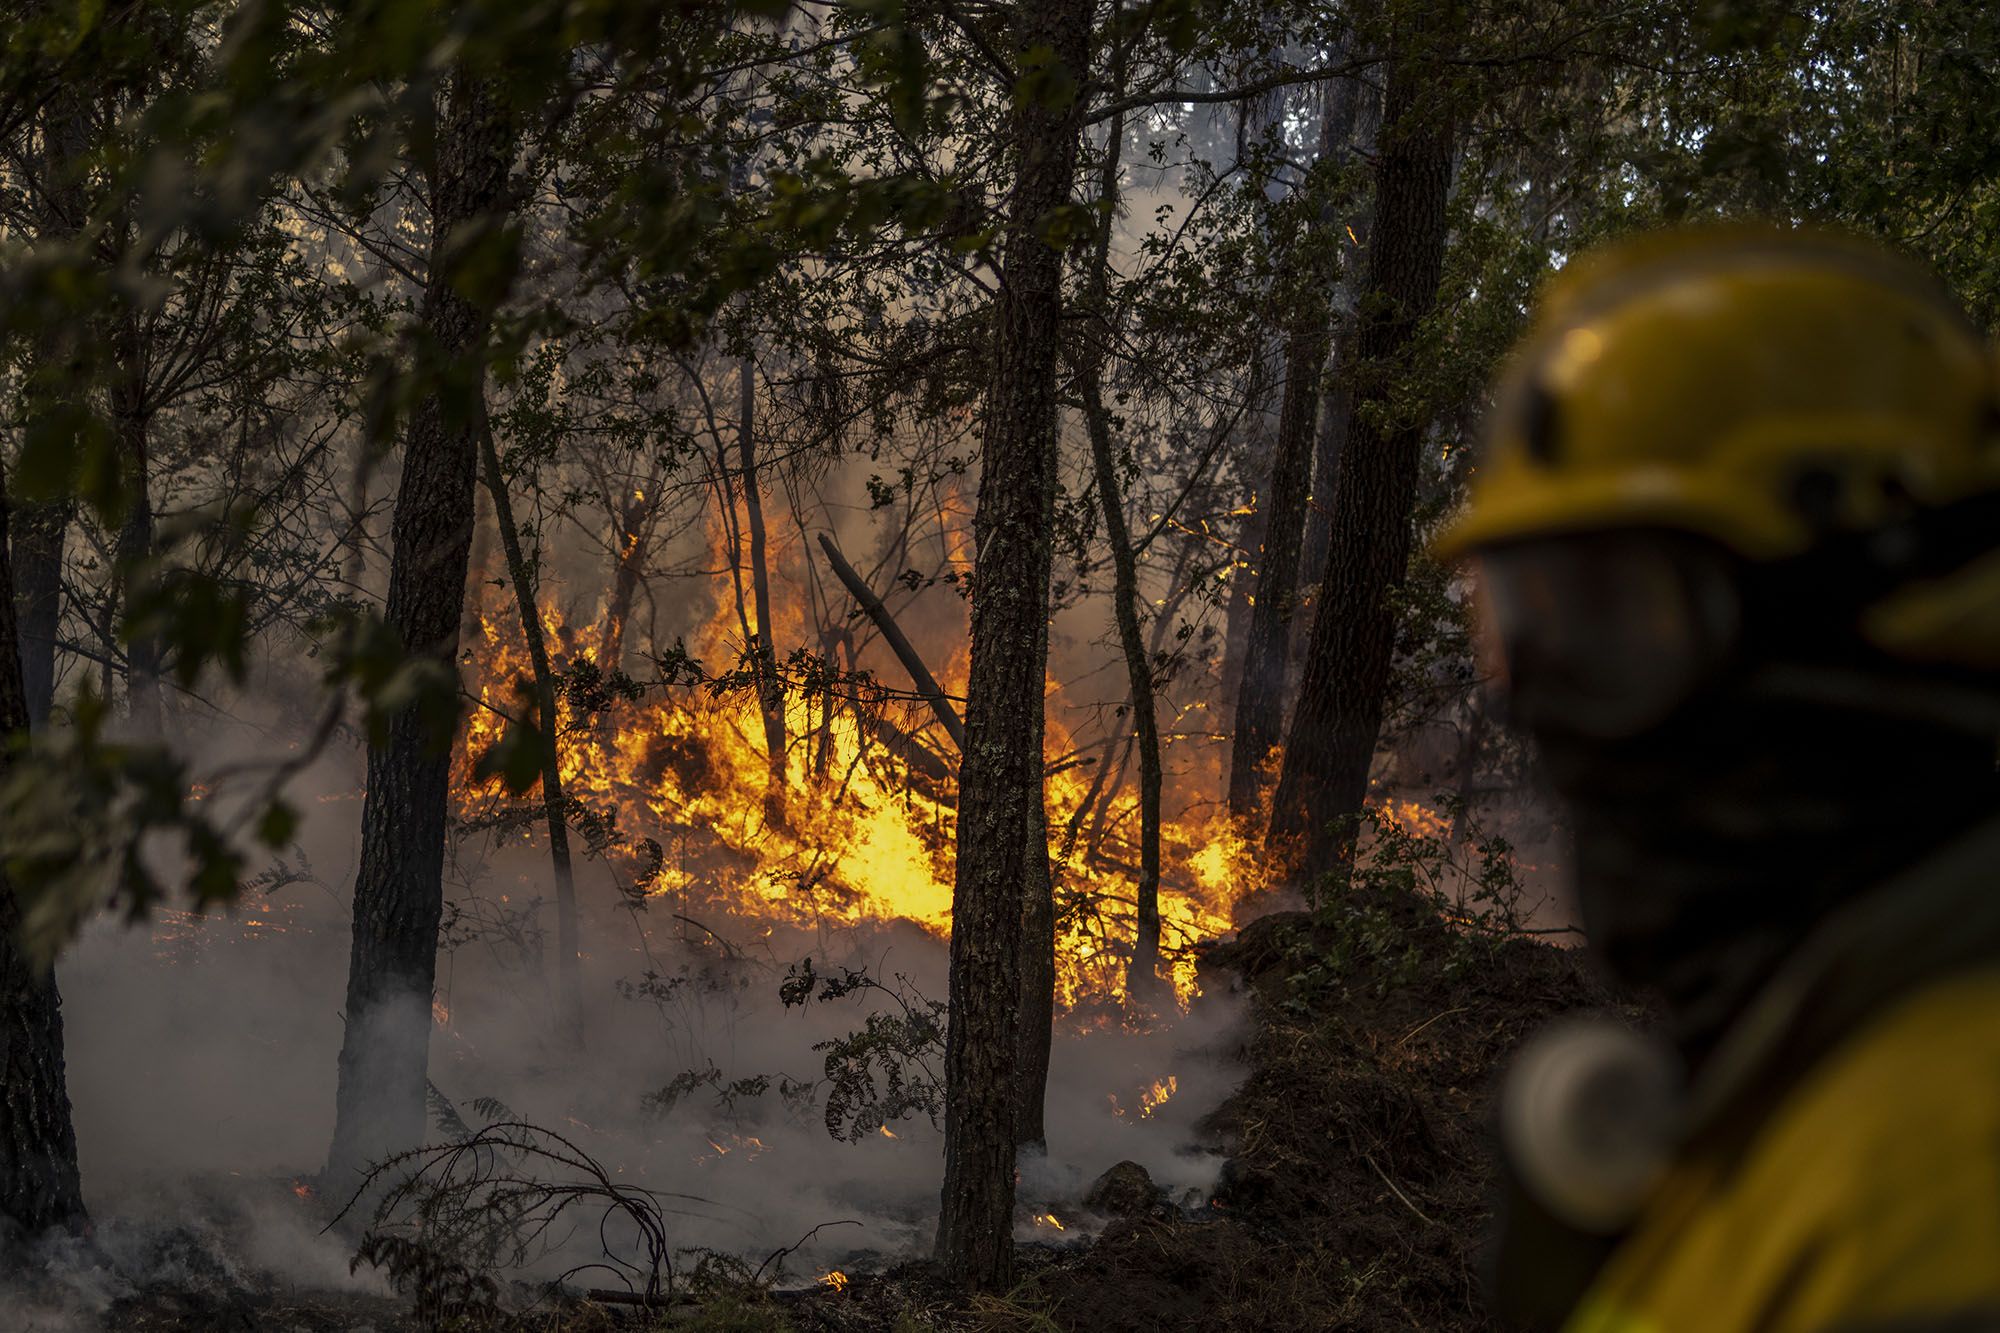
[[202, 1070]]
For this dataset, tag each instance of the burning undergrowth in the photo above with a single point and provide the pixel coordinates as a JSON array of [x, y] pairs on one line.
[[762, 954]]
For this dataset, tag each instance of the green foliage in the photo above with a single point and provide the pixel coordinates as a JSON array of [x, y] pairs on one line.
[[87, 821], [1414, 906], [526, 746], [888, 1069]]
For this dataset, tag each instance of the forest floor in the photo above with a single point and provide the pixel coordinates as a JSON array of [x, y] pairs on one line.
[[1356, 1195]]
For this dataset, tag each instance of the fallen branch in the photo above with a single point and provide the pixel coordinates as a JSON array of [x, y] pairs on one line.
[[892, 634], [900, 744], [1397, 1192]]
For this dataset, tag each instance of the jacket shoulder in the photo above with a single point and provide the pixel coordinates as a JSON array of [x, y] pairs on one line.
[[1870, 1196]]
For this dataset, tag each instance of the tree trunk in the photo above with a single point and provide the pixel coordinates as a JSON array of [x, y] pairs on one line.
[[1000, 780], [1142, 979], [42, 529], [1250, 528], [1260, 694], [763, 647], [1035, 1031], [569, 986], [1360, 109], [892, 634], [135, 534], [1333, 734], [399, 891], [39, 1186], [624, 583], [41, 532]]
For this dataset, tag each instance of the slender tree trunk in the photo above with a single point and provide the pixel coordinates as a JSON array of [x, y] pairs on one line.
[[39, 1184], [763, 648], [1035, 1034], [1142, 981], [1250, 529], [131, 413], [1000, 781], [399, 890], [41, 530], [624, 583], [40, 534], [569, 985], [1261, 694], [1333, 734], [1359, 108], [899, 643], [135, 535]]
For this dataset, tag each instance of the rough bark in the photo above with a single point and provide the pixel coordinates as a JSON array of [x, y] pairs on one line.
[[1339, 712], [569, 985], [398, 891], [39, 1184], [1037, 1015], [1000, 780]]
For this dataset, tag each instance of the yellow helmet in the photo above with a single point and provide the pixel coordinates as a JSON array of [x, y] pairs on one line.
[[1769, 390]]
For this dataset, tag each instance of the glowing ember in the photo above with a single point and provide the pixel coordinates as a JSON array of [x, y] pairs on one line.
[[1050, 1220], [302, 1190]]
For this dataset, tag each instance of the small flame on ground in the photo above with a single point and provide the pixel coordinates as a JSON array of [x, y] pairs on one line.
[[302, 1190], [1151, 1100], [889, 1133], [751, 1146], [834, 1279], [1050, 1220]]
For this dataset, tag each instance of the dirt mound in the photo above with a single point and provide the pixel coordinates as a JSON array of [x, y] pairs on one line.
[[1358, 1189]]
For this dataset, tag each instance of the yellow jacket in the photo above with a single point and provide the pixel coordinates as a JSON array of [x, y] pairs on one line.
[[1870, 1199], [1841, 1169]]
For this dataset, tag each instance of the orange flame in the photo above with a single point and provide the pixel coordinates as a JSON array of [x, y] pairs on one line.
[[855, 832]]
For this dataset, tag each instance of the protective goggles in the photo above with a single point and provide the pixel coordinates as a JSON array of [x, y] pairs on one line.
[[1604, 635]]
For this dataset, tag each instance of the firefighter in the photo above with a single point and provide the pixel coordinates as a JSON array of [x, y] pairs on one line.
[[1735, 540]]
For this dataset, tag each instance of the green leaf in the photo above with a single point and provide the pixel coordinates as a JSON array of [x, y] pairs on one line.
[[517, 758], [278, 825]]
